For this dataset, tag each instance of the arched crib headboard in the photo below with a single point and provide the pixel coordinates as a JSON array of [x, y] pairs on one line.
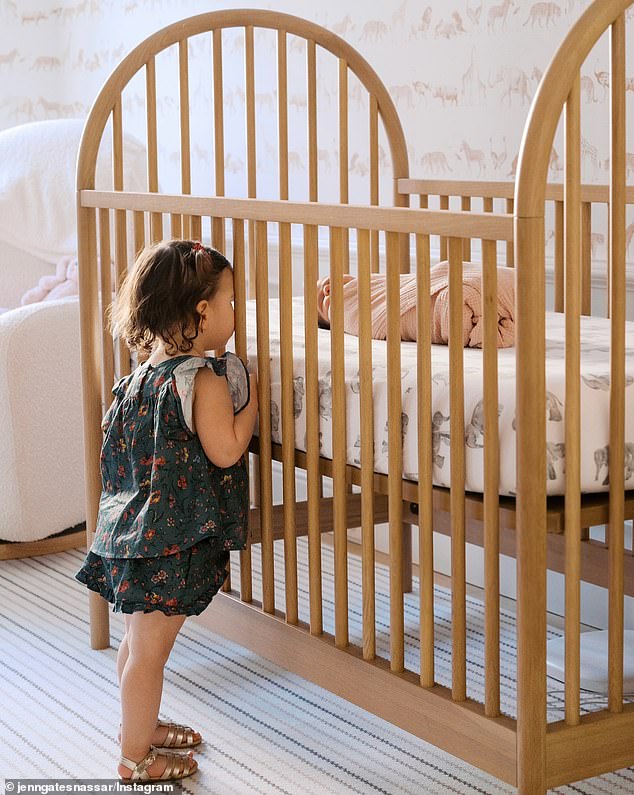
[[289, 38], [293, 35]]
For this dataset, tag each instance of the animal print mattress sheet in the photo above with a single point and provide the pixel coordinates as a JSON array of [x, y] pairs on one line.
[[595, 369]]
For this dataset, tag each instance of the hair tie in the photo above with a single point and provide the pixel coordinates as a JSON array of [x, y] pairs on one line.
[[198, 247]]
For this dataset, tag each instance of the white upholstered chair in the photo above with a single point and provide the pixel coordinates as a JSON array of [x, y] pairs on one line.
[[41, 446]]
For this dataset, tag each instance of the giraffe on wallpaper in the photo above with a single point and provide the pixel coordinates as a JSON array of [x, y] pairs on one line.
[[473, 90]]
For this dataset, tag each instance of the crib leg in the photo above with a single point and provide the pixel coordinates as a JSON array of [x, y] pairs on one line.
[[407, 557]]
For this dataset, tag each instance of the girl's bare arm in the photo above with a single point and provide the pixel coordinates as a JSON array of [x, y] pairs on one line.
[[224, 436]]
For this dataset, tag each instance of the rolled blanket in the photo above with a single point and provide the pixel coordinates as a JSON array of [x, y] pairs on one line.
[[472, 325], [60, 285]]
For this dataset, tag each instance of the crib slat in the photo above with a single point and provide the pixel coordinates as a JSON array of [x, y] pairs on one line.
[[249, 83], [343, 131], [311, 398], [311, 56], [491, 483], [219, 127], [264, 415], [105, 284], [585, 258], [196, 227], [374, 177], [425, 240], [121, 242], [367, 445], [444, 205], [457, 490], [288, 420], [487, 207], [573, 282], [282, 93], [343, 154], [395, 452], [218, 240], [183, 85], [139, 231], [156, 219], [617, 365], [176, 226], [559, 257], [465, 206], [339, 443], [425, 469], [510, 255], [240, 315]]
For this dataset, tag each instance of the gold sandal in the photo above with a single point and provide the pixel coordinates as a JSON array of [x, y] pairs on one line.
[[178, 766], [177, 736]]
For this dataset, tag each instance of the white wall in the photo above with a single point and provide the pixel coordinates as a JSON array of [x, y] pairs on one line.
[[462, 73]]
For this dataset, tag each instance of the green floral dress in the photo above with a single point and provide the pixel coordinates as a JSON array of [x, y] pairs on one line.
[[168, 516]]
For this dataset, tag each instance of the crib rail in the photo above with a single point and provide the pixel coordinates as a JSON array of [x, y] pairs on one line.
[[274, 225], [594, 240]]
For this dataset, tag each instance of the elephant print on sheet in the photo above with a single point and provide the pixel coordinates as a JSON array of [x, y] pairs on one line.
[[437, 437], [275, 421], [555, 451], [553, 410], [602, 381], [404, 424], [474, 436], [298, 396], [325, 396], [602, 460]]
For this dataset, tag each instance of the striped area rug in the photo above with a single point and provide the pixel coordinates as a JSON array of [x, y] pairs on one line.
[[266, 730]]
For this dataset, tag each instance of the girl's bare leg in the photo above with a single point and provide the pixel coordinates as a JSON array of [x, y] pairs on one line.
[[122, 657], [122, 654], [150, 638]]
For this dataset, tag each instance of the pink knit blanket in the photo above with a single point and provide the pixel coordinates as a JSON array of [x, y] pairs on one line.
[[472, 326], [62, 283]]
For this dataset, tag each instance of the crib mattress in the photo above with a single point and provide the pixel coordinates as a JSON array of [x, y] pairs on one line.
[[595, 370]]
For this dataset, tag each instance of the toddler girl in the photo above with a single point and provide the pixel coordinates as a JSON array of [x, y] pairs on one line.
[[175, 494]]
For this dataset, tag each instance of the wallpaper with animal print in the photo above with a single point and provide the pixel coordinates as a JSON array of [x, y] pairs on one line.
[[462, 74]]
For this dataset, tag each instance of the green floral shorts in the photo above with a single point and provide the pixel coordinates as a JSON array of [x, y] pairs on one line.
[[183, 583]]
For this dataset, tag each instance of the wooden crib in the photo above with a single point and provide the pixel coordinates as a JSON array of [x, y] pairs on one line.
[[542, 532]]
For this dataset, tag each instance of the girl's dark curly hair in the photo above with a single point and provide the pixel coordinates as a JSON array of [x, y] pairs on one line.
[[158, 297]]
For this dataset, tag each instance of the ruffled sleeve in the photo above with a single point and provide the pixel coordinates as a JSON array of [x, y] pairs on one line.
[[229, 365]]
